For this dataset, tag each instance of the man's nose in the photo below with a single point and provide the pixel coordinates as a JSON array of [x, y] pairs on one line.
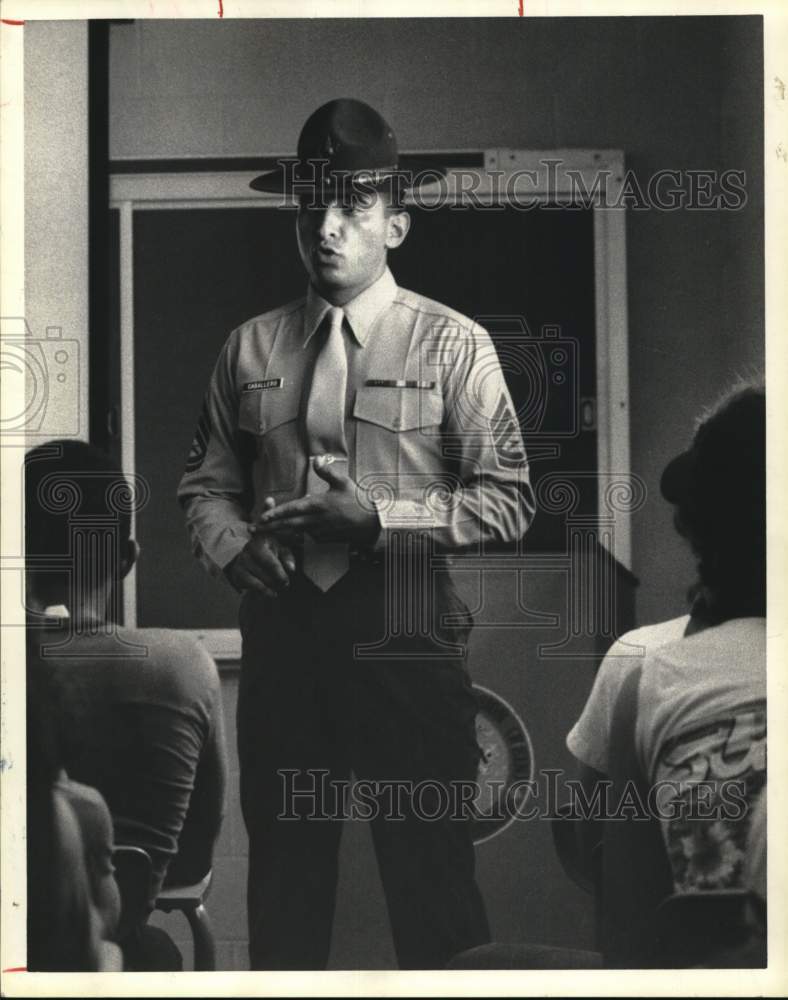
[[330, 223]]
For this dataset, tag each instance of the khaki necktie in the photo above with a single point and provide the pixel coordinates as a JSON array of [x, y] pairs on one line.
[[327, 562]]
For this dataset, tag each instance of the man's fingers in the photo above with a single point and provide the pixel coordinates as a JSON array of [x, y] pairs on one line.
[[292, 522], [286, 510], [286, 557], [285, 537], [245, 580], [254, 577], [263, 562], [325, 468], [277, 513]]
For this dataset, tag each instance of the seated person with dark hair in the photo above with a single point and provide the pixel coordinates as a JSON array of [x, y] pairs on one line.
[[139, 710], [695, 717], [701, 710]]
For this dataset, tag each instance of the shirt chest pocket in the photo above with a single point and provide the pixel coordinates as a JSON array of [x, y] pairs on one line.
[[263, 410], [271, 416], [397, 429]]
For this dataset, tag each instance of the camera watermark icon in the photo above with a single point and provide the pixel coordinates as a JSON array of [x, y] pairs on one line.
[[542, 372], [40, 395]]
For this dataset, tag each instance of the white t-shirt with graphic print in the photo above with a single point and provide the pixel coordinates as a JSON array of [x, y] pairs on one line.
[[701, 734]]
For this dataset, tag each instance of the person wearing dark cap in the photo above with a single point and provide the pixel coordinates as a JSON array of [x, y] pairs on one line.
[[331, 425], [723, 518], [718, 489], [699, 710]]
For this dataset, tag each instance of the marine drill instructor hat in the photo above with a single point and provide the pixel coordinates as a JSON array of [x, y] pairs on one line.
[[344, 142]]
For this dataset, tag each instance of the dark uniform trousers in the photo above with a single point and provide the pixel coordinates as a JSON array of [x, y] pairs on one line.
[[308, 704]]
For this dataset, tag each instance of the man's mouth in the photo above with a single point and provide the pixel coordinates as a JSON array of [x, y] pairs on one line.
[[325, 255]]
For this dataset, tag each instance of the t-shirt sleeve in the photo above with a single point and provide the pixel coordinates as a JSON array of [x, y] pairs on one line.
[[163, 801], [203, 819], [589, 738]]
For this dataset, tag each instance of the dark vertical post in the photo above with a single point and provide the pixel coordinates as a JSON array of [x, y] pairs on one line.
[[99, 374]]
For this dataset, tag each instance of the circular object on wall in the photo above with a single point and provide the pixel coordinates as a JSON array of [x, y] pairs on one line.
[[506, 766]]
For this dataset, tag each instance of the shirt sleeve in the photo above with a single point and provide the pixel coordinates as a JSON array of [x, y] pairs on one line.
[[491, 500], [203, 820], [215, 490], [170, 801], [589, 739]]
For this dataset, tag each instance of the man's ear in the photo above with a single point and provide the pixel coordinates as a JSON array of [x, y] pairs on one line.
[[128, 558], [398, 224]]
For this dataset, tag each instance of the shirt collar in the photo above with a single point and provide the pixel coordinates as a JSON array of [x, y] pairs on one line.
[[361, 312]]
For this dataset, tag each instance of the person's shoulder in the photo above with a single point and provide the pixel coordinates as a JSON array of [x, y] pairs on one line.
[[82, 796], [631, 650], [438, 312], [697, 670], [268, 323], [733, 630], [175, 647], [176, 661], [639, 641], [90, 807], [739, 640]]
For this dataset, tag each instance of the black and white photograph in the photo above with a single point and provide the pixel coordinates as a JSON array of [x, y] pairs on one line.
[[386, 400]]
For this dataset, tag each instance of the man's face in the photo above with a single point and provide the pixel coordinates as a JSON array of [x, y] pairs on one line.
[[344, 243]]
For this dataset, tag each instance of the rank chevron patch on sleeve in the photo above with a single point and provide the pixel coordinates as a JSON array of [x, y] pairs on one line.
[[506, 436], [199, 446]]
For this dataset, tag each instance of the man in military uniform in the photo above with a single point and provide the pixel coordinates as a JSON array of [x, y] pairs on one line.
[[331, 425]]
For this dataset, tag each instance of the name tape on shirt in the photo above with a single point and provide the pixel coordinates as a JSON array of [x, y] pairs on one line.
[[397, 383], [266, 383]]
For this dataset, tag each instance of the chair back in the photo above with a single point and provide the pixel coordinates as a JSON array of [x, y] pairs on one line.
[[133, 872], [584, 869]]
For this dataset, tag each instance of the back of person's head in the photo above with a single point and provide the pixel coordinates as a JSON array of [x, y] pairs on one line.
[[718, 487], [76, 511]]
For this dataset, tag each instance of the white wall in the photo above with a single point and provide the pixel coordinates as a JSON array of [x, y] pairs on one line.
[[56, 207]]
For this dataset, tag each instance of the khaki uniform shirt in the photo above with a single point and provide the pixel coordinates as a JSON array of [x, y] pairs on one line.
[[432, 435]]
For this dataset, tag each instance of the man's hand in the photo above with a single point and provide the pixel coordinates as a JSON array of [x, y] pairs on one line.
[[333, 516], [265, 564]]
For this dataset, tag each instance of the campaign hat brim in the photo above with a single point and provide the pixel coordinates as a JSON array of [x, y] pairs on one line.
[[405, 176]]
